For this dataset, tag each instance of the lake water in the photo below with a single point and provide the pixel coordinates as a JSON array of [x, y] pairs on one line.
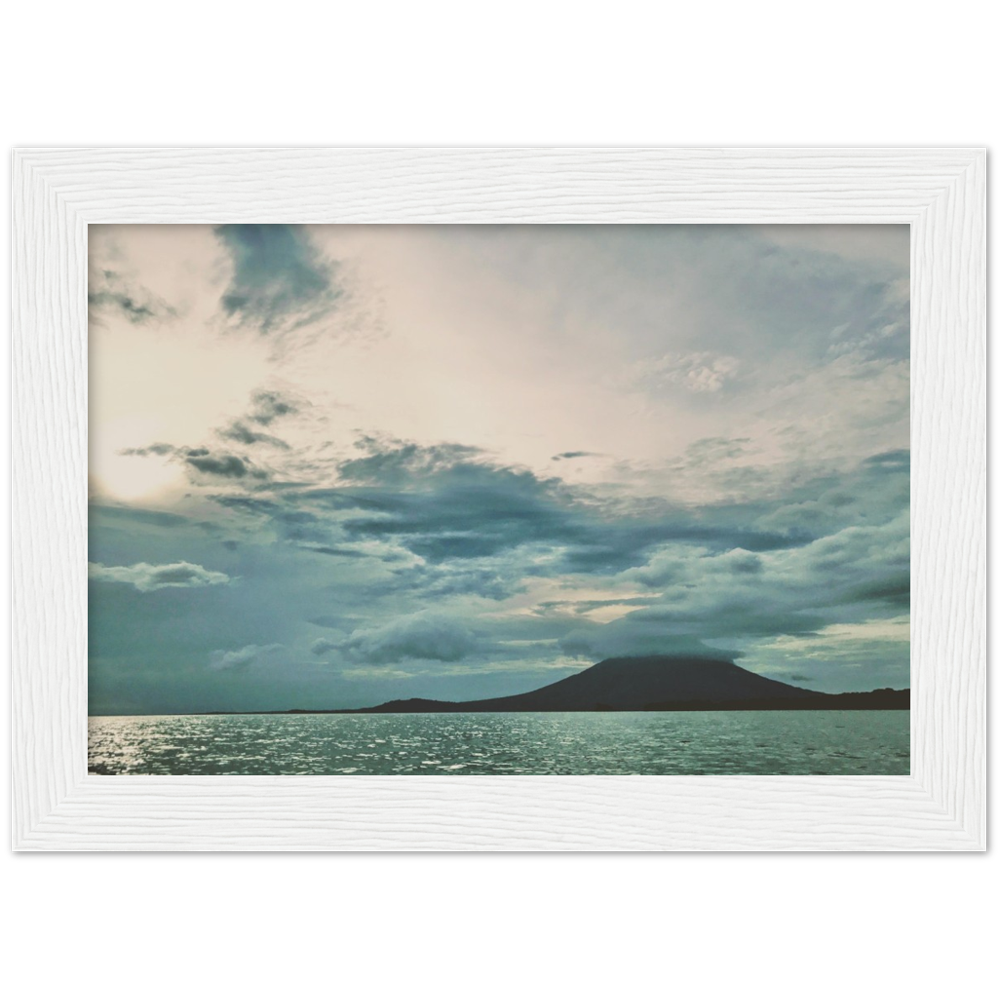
[[815, 742]]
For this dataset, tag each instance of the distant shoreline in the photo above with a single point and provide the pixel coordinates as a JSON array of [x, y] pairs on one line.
[[576, 711], [635, 684], [869, 701]]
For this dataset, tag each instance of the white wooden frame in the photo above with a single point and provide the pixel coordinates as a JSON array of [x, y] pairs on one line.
[[941, 193]]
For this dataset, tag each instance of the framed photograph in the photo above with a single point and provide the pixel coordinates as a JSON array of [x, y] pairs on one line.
[[499, 499]]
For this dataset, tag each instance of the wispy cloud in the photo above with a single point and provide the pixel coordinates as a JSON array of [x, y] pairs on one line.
[[108, 290], [269, 405], [216, 464], [238, 431], [697, 371], [280, 279]]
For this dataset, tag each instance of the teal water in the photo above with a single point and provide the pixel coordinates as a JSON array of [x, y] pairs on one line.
[[815, 742]]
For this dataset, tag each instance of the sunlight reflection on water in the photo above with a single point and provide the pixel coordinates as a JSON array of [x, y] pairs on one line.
[[818, 742]]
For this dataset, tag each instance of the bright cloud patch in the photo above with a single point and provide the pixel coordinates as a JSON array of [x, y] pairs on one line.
[[421, 636], [239, 659], [146, 578]]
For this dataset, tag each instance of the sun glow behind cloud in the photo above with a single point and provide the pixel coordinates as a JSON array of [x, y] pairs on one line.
[[129, 477]]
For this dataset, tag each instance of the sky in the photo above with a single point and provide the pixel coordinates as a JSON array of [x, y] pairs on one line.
[[335, 465]]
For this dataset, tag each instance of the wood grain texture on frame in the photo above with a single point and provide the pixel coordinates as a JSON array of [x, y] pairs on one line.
[[940, 192]]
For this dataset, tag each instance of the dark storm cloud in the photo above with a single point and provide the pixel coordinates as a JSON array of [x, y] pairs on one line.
[[716, 614], [834, 548], [109, 291], [893, 589], [854, 575], [280, 280], [456, 522], [447, 504], [393, 462], [448, 528]]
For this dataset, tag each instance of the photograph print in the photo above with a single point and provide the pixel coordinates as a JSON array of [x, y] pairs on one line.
[[499, 500]]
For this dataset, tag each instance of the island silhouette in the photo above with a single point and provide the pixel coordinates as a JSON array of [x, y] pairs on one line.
[[650, 684]]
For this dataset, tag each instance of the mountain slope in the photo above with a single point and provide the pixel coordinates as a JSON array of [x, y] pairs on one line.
[[627, 684]]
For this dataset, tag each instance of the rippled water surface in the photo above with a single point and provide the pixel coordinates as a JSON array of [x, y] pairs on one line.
[[821, 742]]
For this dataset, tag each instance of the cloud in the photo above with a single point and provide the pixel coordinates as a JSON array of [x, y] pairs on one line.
[[109, 291], [146, 578], [869, 243], [390, 461], [857, 574], [321, 646], [420, 636], [225, 466], [279, 280], [151, 449], [238, 431], [600, 643], [238, 660], [464, 529], [712, 451], [339, 551], [840, 657], [890, 461], [269, 405], [574, 454], [492, 579], [448, 505], [221, 464], [698, 371], [254, 506]]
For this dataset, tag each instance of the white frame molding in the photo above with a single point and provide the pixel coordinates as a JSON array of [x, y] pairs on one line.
[[941, 193]]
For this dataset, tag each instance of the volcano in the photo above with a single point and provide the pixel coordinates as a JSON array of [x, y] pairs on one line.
[[656, 683]]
